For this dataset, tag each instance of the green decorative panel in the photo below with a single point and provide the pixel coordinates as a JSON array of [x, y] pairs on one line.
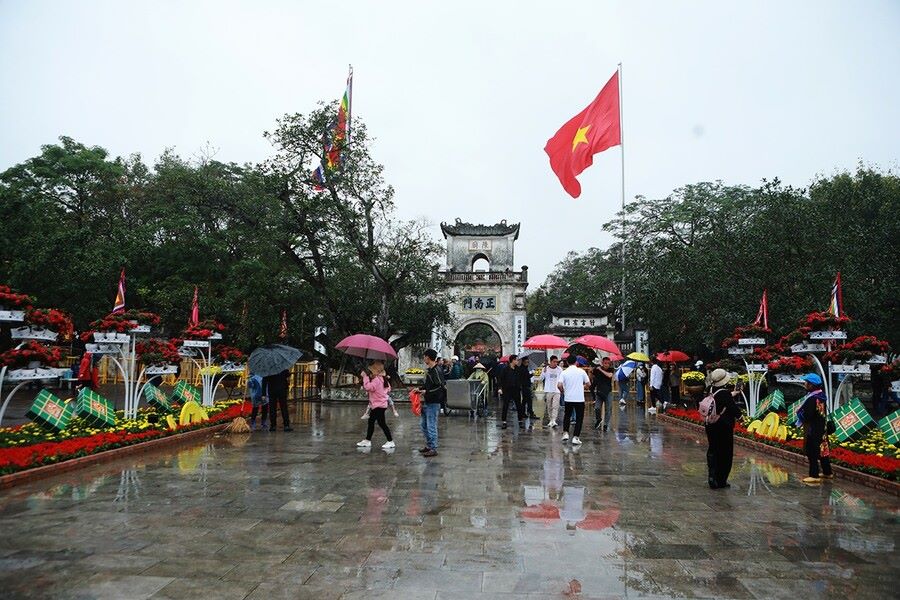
[[850, 419], [157, 398], [95, 409], [793, 409], [774, 401], [185, 392], [890, 426], [50, 412]]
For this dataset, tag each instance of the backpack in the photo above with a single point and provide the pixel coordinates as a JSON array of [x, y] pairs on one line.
[[708, 409]]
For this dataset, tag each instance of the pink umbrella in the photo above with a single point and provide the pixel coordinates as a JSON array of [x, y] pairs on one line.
[[545, 342], [366, 346], [598, 342]]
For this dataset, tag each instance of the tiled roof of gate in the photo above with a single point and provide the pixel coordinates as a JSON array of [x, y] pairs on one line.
[[460, 228]]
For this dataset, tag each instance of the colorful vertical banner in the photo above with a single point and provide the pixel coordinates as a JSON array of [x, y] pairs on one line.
[[762, 317], [119, 304], [336, 137], [837, 298]]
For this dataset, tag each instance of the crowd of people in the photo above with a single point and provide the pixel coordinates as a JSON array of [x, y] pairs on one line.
[[569, 383]]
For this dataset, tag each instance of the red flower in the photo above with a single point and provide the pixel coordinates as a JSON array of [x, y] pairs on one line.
[[29, 352], [228, 354], [51, 318], [791, 364], [11, 299], [156, 351], [203, 330]]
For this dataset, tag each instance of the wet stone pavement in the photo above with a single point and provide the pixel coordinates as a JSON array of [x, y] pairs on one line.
[[498, 514]]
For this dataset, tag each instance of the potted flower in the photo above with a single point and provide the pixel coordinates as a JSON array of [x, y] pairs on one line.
[[231, 358], [789, 368], [694, 382], [45, 324], [143, 320], [111, 329], [208, 329], [13, 304], [158, 356], [31, 355], [826, 326]]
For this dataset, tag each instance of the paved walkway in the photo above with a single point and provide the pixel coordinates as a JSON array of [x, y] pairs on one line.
[[498, 514]]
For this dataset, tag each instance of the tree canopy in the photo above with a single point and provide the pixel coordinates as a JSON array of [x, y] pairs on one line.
[[256, 239], [696, 262]]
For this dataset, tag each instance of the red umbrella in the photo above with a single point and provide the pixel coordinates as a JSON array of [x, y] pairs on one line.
[[542, 512], [598, 342], [366, 346], [545, 342], [504, 359], [672, 356]]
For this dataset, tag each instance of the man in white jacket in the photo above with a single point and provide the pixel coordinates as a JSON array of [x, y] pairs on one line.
[[550, 376], [656, 383]]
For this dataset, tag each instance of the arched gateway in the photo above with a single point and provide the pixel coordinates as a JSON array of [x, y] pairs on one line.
[[484, 286]]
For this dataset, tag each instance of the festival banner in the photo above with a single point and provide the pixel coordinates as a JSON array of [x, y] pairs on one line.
[[890, 427]]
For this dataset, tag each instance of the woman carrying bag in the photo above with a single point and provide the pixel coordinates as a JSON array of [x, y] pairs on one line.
[[376, 383], [719, 413]]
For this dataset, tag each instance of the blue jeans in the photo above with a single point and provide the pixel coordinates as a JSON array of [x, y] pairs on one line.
[[623, 390], [428, 420]]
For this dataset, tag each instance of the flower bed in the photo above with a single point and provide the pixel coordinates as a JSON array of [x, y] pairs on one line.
[[870, 454], [28, 446]]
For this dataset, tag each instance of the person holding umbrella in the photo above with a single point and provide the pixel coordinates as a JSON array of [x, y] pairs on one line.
[[378, 388], [273, 362], [623, 375]]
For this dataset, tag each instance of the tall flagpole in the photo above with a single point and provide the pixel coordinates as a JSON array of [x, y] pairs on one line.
[[622, 144]]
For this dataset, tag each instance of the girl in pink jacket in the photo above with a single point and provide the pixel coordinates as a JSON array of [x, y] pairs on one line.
[[375, 382]]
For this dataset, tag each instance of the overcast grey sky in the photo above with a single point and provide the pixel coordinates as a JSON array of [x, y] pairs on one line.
[[462, 96]]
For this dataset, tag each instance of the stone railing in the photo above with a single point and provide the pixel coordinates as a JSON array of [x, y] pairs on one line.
[[487, 277]]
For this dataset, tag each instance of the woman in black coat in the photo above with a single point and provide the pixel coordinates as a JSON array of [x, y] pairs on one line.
[[720, 435]]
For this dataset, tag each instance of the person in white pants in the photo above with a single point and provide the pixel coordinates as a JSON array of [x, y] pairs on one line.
[[550, 376]]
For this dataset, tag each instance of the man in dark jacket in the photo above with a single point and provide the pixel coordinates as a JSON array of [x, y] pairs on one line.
[[511, 390], [275, 388], [525, 384], [813, 415], [435, 390]]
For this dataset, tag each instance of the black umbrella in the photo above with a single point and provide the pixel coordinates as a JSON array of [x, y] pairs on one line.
[[272, 359]]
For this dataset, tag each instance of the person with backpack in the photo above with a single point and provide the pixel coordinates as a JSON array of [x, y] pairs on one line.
[[816, 427], [435, 390], [719, 413], [257, 401]]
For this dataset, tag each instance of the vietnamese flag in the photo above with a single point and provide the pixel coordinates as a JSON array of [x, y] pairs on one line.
[[593, 130]]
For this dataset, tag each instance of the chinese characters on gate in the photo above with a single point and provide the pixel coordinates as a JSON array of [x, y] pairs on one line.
[[479, 304], [479, 245]]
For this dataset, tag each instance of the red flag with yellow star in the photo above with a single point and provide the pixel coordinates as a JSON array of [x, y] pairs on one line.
[[593, 130]]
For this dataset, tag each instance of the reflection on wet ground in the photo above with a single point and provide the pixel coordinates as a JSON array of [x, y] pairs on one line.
[[498, 514]]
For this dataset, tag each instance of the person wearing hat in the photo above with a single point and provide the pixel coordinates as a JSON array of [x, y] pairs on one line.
[[479, 374], [813, 416], [720, 435]]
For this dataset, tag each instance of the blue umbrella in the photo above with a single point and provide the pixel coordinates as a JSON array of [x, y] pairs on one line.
[[625, 369]]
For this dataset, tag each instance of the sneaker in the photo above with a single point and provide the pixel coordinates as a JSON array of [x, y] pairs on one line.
[[551, 424], [364, 443], [365, 417], [388, 445], [396, 414], [811, 480], [565, 437], [651, 410], [424, 449], [576, 441], [430, 453], [827, 476]]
